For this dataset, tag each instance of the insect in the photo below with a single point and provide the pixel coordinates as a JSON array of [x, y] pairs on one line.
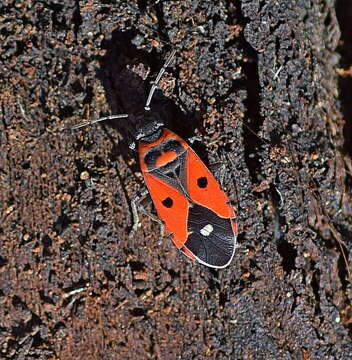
[[194, 210]]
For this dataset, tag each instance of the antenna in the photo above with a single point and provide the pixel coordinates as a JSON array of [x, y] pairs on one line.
[[146, 107], [156, 82], [91, 122]]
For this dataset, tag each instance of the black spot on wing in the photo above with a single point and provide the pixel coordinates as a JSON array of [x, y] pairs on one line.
[[168, 202], [215, 249], [202, 182]]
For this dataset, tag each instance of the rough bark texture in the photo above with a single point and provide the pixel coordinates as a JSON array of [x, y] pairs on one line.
[[259, 82]]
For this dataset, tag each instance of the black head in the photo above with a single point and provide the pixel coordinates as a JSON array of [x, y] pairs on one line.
[[151, 129]]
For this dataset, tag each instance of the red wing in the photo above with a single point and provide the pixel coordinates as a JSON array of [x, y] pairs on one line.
[[204, 189], [171, 206]]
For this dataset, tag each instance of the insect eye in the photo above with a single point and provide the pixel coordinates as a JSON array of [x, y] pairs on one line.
[[202, 182], [167, 202]]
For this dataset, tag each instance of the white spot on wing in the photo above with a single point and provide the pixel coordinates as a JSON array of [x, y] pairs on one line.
[[207, 230]]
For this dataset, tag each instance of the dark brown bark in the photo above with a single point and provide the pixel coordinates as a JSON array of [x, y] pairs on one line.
[[267, 86]]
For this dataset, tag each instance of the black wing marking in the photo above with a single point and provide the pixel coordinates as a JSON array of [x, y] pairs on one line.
[[174, 172], [211, 238]]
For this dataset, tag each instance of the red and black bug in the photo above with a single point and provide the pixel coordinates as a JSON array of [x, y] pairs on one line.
[[188, 199]]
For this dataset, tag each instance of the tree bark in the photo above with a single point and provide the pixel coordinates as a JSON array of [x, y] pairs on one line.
[[266, 87]]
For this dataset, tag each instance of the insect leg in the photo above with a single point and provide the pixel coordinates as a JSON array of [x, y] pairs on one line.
[[137, 205], [219, 169]]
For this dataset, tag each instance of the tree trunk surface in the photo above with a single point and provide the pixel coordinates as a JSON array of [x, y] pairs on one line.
[[265, 88]]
